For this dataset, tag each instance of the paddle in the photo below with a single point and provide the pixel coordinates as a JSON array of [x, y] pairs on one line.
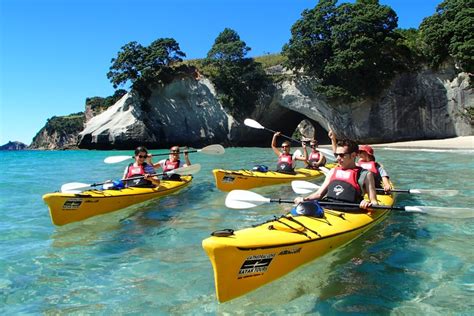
[[305, 187], [210, 150], [75, 186], [242, 199], [254, 124]]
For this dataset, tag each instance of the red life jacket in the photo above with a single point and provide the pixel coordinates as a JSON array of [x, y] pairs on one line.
[[285, 163], [135, 171], [169, 165], [373, 167], [344, 185], [314, 156]]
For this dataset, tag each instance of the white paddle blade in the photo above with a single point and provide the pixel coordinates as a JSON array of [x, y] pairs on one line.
[[212, 150], [450, 212], [74, 187], [297, 153], [324, 170], [116, 159], [303, 187], [434, 192], [253, 124], [242, 199], [186, 170]]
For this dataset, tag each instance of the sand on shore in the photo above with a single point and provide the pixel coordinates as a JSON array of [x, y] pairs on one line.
[[461, 142]]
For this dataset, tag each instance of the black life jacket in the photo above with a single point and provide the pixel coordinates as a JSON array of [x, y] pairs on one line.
[[346, 185]]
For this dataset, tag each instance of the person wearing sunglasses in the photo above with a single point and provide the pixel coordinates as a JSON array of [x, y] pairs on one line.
[[367, 161], [142, 170], [347, 182], [173, 162], [286, 161], [315, 158]]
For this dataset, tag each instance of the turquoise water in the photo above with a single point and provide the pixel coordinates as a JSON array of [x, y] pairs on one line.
[[148, 259]]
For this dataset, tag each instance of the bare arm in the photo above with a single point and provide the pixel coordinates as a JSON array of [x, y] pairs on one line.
[[186, 157], [274, 147], [332, 136], [318, 194]]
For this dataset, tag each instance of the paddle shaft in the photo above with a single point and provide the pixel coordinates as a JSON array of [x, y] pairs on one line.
[[325, 203], [132, 178]]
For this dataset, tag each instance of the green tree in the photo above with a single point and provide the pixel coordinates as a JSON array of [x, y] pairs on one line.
[[450, 33], [144, 65], [238, 79], [350, 47]]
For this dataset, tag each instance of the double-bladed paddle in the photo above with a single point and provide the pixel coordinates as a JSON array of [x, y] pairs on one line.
[[305, 187], [242, 199], [72, 187], [254, 124], [210, 150]]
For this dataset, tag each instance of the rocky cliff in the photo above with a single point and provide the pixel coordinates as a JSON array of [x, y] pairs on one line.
[[185, 112], [418, 105], [60, 132]]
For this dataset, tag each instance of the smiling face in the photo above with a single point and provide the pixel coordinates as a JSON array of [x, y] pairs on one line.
[[174, 153], [285, 147]]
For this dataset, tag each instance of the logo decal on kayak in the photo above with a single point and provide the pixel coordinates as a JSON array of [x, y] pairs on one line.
[[72, 204], [256, 264], [228, 179]]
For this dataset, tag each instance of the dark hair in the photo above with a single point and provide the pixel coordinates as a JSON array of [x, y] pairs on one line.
[[350, 144], [141, 149]]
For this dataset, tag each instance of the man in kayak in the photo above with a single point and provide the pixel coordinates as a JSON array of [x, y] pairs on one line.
[[315, 158], [173, 162], [367, 161], [143, 172], [286, 161], [347, 182]]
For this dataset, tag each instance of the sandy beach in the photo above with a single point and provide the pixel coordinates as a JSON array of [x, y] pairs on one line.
[[462, 142]]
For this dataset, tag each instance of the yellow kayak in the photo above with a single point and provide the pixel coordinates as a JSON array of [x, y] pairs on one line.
[[228, 180], [249, 258], [66, 208]]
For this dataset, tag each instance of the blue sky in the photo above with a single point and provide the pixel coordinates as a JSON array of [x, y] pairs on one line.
[[56, 53]]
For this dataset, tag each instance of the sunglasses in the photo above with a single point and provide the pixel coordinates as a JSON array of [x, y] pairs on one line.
[[342, 155], [140, 156], [285, 146], [175, 151]]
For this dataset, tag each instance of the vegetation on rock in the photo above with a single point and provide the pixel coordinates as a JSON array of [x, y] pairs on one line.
[[238, 79]]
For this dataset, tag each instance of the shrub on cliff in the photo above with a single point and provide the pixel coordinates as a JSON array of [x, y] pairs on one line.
[[144, 66], [352, 48], [69, 124], [99, 102], [237, 79], [450, 33]]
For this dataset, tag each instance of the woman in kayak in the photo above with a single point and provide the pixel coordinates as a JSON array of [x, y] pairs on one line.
[[315, 158], [286, 161], [367, 161], [347, 182], [173, 162], [140, 173]]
